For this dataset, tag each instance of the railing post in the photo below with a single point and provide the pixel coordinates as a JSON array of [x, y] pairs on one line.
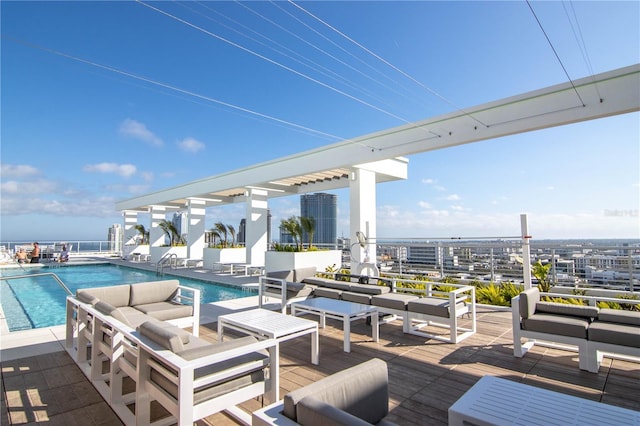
[[526, 252]]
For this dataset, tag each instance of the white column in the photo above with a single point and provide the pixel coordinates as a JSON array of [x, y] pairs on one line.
[[362, 215], [195, 233], [256, 228], [130, 222]]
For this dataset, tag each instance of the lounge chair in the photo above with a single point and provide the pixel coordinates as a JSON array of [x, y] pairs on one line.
[[192, 378], [356, 396]]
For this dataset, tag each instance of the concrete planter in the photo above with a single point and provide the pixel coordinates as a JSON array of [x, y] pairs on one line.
[[285, 261], [223, 255], [158, 252]]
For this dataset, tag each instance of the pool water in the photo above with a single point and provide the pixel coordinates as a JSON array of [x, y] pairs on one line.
[[40, 301]]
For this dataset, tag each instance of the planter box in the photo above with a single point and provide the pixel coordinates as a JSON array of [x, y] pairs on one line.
[[286, 261], [137, 248], [223, 255], [158, 252]]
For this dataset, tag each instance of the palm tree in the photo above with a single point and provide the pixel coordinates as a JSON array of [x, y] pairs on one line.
[[292, 226], [222, 232], [232, 232], [172, 232], [309, 227], [143, 233]]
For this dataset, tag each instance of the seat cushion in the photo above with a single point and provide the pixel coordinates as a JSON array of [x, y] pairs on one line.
[[615, 333], [153, 291], [435, 306], [300, 274], [330, 293], [396, 301], [349, 296], [165, 311], [557, 324]]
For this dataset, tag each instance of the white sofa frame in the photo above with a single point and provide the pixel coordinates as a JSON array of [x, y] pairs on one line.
[[414, 322], [276, 288], [183, 408], [590, 353]]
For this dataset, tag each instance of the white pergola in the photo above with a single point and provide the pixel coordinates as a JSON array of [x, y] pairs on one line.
[[361, 163]]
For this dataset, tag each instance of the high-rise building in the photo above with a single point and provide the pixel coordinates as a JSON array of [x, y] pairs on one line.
[[322, 208], [181, 221], [115, 237]]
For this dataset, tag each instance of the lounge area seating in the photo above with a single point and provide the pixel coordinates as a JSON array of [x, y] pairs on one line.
[[594, 331], [193, 379], [418, 304], [189, 377], [356, 396]]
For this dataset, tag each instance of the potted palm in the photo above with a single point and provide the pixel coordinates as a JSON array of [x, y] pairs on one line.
[[177, 244], [289, 257], [223, 247]]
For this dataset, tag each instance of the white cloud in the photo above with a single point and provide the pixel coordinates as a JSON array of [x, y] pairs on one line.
[[17, 170], [137, 130], [424, 205], [39, 186], [191, 145], [428, 181], [453, 197], [124, 170]]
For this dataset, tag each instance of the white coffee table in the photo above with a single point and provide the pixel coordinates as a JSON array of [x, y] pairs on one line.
[[340, 310], [273, 325]]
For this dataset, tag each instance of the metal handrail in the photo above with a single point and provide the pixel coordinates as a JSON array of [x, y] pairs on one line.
[[163, 260], [57, 278]]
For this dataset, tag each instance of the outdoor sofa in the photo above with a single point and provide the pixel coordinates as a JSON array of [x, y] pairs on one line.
[[416, 308], [592, 330], [189, 377], [356, 396]]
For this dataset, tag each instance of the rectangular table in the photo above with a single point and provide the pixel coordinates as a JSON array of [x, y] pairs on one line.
[[273, 325], [496, 401], [340, 310]]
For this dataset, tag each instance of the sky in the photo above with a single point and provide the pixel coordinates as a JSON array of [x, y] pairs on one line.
[[105, 101]]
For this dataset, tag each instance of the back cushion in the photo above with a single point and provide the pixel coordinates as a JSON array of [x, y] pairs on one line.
[[528, 300], [168, 337], [620, 316], [116, 295], [567, 309], [302, 273], [282, 275], [153, 291]]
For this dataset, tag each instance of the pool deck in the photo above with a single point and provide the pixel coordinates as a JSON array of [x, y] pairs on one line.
[[41, 384]]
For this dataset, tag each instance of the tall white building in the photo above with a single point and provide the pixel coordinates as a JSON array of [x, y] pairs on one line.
[[115, 237]]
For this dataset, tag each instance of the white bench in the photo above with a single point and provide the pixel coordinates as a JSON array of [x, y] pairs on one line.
[[495, 401]]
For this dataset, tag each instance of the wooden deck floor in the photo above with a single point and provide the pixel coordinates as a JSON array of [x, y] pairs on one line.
[[426, 376]]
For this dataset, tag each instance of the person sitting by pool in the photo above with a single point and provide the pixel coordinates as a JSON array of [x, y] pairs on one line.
[[64, 255], [21, 256], [35, 253]]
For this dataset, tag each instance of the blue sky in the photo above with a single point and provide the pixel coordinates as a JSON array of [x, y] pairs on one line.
[[104, 101]]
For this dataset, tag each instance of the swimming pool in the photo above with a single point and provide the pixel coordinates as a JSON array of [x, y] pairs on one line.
[[40, 301]]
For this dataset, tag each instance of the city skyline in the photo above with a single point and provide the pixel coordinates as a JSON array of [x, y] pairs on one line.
[[181, 92]]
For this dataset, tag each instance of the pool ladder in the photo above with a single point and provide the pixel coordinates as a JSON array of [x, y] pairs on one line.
[[166, 259]]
